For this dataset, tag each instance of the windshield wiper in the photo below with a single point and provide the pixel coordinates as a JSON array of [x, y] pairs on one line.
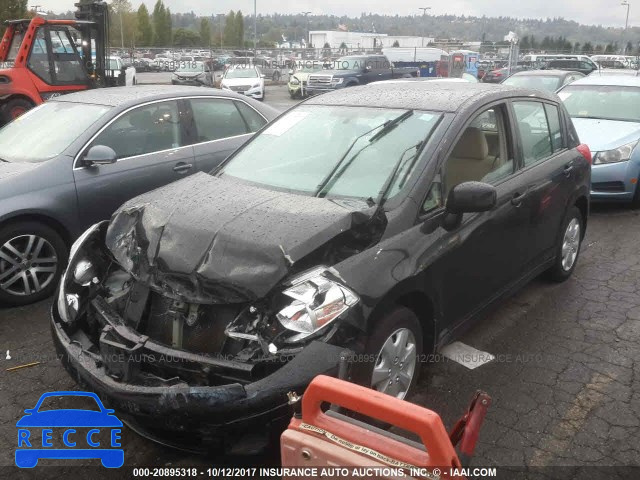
[[390, 125], [382, 195], [334, 174]]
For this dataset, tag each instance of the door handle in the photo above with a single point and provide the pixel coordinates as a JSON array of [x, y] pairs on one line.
[[517, 198], [182, 167], [567, 169]]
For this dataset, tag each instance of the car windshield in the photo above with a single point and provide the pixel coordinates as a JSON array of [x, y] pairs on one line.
[[190, 67], [540, 82], [113, 64], [609, 102], [351, 63], [47, 130], [335, 151], [241, 73]]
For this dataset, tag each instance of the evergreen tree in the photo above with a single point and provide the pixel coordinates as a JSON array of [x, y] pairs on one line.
[[205, 32], [159, 23], [145, 30], [230, 29], [168, 33], [239, 28]]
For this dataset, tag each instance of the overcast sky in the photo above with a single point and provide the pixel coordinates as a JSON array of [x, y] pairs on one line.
[[605, 12]]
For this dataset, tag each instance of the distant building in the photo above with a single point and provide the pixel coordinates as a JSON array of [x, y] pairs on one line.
[[364, 40]]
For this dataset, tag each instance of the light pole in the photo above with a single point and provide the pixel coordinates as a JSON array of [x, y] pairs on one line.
[[220, 16], [306, 16], [625, 3], [255, 29], [121, 31], [424, 13]]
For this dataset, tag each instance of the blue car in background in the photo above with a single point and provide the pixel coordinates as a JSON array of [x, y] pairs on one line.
[[605, 110], [75, 444]]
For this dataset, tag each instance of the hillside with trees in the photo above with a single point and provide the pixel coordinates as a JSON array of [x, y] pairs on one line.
[[160, 27]]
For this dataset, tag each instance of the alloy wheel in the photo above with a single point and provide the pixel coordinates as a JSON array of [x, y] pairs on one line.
[[570, 244], [28, 264], [395, 364]]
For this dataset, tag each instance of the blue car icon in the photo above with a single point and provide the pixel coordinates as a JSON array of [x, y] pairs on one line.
[[29, 452]]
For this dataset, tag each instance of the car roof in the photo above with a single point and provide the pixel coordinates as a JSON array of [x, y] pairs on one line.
[[604, 79], [544, 73], [130, 96], [420, 95]]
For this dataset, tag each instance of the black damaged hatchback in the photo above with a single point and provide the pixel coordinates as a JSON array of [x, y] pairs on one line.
[[380, 219]]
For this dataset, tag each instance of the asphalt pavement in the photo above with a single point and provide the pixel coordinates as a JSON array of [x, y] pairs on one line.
[[565, 378]]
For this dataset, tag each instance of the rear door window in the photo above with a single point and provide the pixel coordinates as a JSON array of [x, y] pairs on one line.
[[553, 117], [254, 120], [534, 131], [216, 118]]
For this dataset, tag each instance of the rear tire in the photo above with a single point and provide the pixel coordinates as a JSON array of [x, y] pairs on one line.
[[32, 259], [568, 247], [15, 107]]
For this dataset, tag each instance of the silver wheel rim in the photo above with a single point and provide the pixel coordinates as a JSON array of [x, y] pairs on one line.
[[570, 244], [395, 364], [28, 264]]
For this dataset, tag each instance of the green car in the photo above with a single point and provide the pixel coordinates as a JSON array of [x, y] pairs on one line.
[[298, 80]]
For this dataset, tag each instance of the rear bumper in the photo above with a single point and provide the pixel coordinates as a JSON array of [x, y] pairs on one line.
[[615, 181], [190, 417]]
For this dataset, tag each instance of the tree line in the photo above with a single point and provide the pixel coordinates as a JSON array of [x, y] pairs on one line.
[[160, 27], [561, 44]]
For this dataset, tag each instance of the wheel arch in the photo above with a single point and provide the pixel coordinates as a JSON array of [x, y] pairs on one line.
[[47, 220], [419, 302], [583, 205]]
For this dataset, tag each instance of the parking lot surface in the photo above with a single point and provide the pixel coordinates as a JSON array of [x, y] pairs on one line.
[[565, 380]]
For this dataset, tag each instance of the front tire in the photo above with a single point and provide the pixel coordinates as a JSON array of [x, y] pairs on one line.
[[568, 248], [635, 202], [32, 258], [16, 107], [395, 346]]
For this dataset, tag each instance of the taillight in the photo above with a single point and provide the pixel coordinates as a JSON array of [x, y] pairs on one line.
[[585, 152], [497, 74]]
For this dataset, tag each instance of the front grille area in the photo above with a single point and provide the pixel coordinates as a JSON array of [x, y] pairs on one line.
[[323, 80], [607, 187], [239, 88]]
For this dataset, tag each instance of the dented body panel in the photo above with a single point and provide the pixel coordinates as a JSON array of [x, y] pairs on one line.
[[254, 290]]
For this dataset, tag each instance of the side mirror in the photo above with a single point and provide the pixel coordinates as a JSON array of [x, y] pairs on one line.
[[262, 75], [290, 72], [100, 155], [469, 197]]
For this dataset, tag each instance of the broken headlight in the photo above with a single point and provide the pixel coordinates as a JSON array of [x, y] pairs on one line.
[[83, 269], [317, 300]]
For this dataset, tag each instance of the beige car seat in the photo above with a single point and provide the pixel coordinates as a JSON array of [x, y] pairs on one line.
[[470, 159]]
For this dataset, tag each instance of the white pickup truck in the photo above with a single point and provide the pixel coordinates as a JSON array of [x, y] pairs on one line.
[[114, 70]]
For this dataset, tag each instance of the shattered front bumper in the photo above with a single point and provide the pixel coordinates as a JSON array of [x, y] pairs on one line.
[[190, 417]]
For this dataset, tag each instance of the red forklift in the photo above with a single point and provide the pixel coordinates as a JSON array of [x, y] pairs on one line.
[[41, 59]]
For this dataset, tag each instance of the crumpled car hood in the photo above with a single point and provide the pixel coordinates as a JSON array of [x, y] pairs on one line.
[[209, 240]]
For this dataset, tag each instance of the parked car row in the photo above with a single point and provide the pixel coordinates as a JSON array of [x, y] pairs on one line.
[[407, 210]]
